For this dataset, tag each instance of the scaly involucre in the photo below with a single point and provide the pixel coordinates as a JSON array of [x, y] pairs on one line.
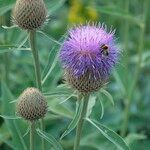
[[89, 52], [29, 14], [31, 105]]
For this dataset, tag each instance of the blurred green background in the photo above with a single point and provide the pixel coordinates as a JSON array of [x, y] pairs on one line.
[[129, 84]]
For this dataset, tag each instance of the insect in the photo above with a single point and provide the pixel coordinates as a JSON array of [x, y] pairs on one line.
[[105, 50]]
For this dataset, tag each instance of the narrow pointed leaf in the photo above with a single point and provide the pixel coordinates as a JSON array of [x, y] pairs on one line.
[[75, 120], [108, 96], [9, 117], [114, 11], [110, 135], [27, 131], [67, 98], [52, 61], [91, 104], [13, 125], [14, 49], [11, 27], [23, 42], [60, 90], [102, 108], [50, 139], [49, 37], [120, 83], [54, 5]]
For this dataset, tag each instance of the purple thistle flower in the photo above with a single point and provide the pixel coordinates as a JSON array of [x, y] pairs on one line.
[[89, 49]]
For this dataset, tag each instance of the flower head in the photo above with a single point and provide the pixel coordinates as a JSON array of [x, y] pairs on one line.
[[89, 53], [31, 105], [29, 14]]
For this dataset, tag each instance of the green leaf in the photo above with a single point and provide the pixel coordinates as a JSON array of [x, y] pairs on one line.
[[27, 131], [23, 42], [14, 101], [6, 5], [11, 27], [14, 49], [120, 83], [5, 136], [61, 110], [67, 98], [108, 95], [92, 100], [114, 11], [60, 90], [50, 69], [10, 117], [10, 48], [134, 137], [75, 120], [52, 61], [49, 139], [54, 5], [49, 37], [102, 107], [110, 135], [17, 139]]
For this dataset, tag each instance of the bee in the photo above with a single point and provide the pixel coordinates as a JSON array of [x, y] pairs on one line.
[[105, 50]]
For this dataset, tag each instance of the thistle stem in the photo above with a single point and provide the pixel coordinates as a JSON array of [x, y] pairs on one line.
[[81, 121], [36, 59], [6, 55], [6, 66], [32, 36], [32, 130]]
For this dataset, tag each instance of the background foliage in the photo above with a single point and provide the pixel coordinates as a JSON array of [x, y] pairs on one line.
[[129, 85]]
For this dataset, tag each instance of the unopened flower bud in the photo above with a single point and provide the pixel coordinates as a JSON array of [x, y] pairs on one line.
[[29, 14], [31, 105]]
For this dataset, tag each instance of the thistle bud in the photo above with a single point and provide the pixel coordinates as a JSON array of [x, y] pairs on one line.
[[29, 14], [31, 105], [88, 56]]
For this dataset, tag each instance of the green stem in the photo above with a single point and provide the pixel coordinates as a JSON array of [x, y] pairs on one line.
[[36, 59], [32, 130], [126, 118], [137, 72], [81, 121], [6, 66], [32, 35], [6, 55]]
